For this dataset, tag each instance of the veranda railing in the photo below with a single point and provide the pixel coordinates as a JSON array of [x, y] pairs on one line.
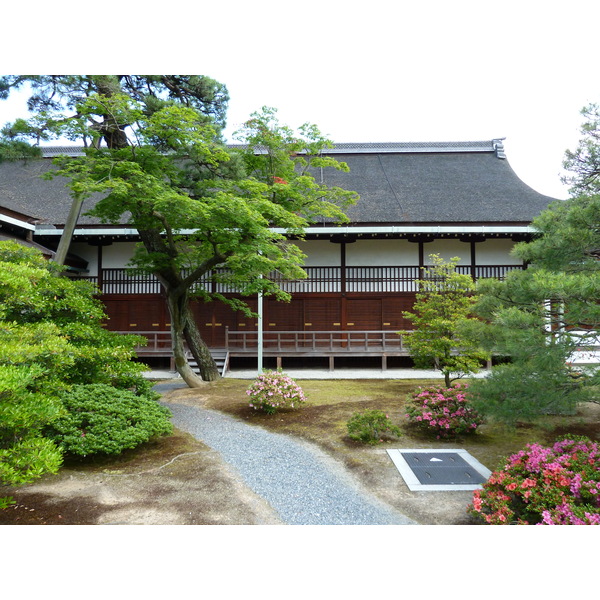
[[302, 342], [292, 342], [319, 279]]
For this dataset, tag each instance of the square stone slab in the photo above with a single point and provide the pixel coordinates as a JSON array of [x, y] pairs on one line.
[[439, 470]]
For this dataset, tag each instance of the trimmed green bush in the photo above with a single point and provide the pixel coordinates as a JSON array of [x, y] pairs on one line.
[[51, 338], [370, 425], [104, 420], [24, 412]]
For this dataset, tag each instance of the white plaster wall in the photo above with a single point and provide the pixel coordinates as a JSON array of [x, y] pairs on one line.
[[89, 253], [448, 249], [496, 252], [323, 253], [375, 253], [320, 253], [117, 255]]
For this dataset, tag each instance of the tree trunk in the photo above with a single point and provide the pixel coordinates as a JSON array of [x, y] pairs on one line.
[[183, 325], [181, 362], [184, 329], [198, 348], [67, 234]]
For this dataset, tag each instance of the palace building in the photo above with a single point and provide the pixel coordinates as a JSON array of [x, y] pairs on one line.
[[453, 199]]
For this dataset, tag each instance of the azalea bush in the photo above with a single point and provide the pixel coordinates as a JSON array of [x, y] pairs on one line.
[[273, 390], [370, 425], [445, 411], [558, 485]]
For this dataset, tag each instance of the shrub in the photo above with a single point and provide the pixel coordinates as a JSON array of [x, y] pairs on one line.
[[56, 323], [370, 425], [544, 486], [25, 454], [104, 420], [442, 410], [273, 390]]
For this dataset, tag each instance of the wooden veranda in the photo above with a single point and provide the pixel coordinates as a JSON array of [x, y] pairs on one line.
[[292, 344]]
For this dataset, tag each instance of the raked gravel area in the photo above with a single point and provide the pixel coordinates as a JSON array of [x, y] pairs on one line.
[[301, 483]]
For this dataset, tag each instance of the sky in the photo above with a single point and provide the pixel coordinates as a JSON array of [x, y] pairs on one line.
[[381, 71]]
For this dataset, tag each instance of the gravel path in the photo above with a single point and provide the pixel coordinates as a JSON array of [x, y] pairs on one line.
[[300, 482]]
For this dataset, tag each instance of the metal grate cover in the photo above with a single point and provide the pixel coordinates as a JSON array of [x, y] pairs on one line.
[[442, 468], [439, 470]]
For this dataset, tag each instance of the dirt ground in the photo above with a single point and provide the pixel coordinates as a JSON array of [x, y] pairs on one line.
[[179, 481]]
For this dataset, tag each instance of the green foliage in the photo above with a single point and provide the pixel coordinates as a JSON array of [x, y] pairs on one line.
[[15, 150], [273, 390], [155, 154], [6, 502], [56, 96], [539, 317], [369, 426], [227, 215], [286, 160], [101, 419], [568, 240], [447, 412], [56, 322], [24, 412], [584, 161], [441, 312], [533, 384], [51, 337]]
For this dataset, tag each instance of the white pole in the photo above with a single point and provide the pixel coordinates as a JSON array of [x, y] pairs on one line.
[[260, 333]]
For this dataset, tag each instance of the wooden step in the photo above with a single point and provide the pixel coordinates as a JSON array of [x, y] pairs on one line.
[[221, 358]]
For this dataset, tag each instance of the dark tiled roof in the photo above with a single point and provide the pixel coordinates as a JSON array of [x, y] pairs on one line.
[[432, 182], [433, 187], [23, 190], [45, 251]]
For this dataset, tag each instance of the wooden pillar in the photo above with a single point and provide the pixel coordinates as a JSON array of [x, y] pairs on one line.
[[342, 240], [343, 303], [100, 243], [473, 241], [343, 268], [99, 261]]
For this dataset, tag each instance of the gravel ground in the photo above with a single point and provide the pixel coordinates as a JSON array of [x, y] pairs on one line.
[[302, 484]]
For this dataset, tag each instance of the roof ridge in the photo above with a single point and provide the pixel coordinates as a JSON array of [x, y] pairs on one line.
[[493, 145]]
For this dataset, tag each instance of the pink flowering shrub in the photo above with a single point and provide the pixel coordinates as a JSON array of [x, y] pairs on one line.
[[273, 390], [443, 411], [544, 486]]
